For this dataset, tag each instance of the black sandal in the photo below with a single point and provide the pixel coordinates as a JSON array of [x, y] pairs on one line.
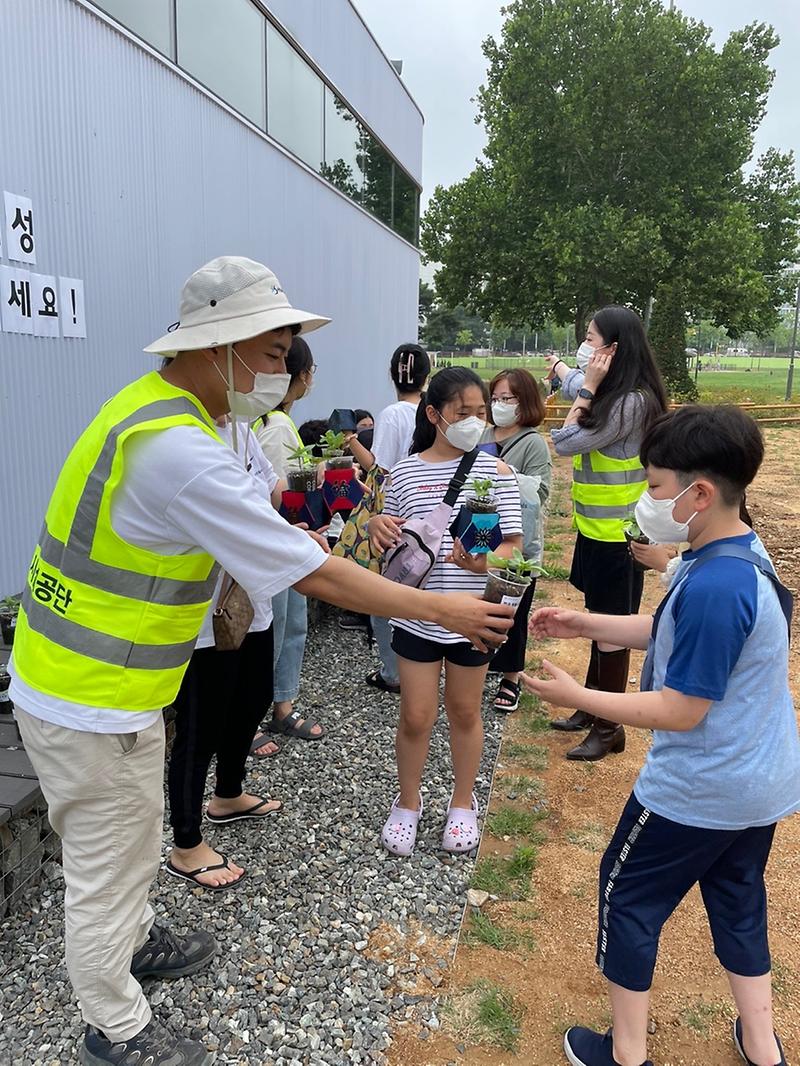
[[291, 726], [191, 875], [509, 691], [377, 680]]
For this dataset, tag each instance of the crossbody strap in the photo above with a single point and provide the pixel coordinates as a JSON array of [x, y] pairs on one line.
[[512, 442], [459, 478]]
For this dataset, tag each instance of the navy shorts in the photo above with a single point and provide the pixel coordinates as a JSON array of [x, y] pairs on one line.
[[650, 865], [421, 650]]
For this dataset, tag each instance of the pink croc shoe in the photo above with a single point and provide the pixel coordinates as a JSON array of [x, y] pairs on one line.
[[461, 831], [399, 834]]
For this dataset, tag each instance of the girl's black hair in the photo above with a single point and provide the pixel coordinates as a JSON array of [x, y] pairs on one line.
[[445, 386], [360, 413], [720, 443], [409, 368], [299, 360], [633, 369]]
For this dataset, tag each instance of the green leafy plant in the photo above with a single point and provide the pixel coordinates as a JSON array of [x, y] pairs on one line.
[[332, 444], [632, 529], [481, 488], [517, 568], [9, 605], [302, 455]]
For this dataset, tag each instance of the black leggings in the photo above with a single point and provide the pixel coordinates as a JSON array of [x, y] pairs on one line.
[[222, 699]]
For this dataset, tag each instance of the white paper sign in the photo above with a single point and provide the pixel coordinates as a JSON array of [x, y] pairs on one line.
[[15, 300], [20, 231], [71, 309], [44, 305]]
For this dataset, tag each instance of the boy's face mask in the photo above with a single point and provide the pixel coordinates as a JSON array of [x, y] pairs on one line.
[[654, 518]]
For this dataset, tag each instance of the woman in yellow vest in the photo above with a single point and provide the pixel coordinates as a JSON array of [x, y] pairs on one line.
[[621, 394]]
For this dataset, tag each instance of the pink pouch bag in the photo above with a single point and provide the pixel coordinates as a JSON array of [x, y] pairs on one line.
[[411, 560]]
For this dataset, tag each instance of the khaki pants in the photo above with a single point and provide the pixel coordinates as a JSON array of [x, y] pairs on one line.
[[106, 802]]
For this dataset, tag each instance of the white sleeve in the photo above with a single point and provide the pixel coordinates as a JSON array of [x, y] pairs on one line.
[[387, 441], [277, 438]]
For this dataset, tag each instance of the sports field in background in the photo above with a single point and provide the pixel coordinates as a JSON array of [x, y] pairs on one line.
[[764, 383]]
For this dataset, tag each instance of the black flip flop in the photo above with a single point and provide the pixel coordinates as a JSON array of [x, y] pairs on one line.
[[377, 680], [191, 875], [250, 812], [507, 690], [260, 740], [290, 726]]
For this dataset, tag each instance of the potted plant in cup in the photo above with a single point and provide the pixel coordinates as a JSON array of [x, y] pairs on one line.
[[302, 472], [477, 524], [332, 445], [633, 533], [340, 488], [507, 578], [9, 609]]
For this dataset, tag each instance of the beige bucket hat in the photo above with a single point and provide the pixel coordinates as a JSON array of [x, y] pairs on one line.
[[231, 299]]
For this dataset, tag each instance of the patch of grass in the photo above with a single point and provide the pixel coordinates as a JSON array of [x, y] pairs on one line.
[[541, 593], [508, 878], [482, 930], [533, 719], [552, 546], [699, 1016], [531, 756], [559, 573], [485, 1013], [782, 977], [511, 822], [517, 786], [590, 837]]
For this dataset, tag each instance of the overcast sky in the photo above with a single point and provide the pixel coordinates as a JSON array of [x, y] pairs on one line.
[[439, 42]]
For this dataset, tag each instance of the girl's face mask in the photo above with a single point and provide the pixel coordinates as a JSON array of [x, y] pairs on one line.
[[465, 434]]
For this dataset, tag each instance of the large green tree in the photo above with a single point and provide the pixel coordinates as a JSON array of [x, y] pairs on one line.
[[617, 137]]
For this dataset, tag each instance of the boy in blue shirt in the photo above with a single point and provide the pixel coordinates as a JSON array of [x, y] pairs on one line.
[[724, 765]]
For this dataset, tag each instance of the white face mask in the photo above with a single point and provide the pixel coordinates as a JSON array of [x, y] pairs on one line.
[[654, 518], [465, 434], [267, 392], [504, 414], [583, 355]]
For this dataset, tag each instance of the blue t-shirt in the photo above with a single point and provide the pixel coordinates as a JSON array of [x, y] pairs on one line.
[[723, 637]]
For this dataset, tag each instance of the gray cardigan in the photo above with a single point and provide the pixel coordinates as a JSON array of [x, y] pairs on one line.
[[619, 438]]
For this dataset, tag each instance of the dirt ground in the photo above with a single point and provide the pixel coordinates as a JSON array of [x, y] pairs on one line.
[[555, 982]]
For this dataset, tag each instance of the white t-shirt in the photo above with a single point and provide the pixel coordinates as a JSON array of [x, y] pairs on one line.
[[278, 438], [183, 493], [259, 468], [415, 488], [394, 428]]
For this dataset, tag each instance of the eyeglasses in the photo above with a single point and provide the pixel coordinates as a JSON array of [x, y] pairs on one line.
[[504, 399], [313, 368]]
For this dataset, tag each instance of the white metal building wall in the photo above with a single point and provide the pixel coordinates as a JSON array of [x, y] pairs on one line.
[[137, 177]]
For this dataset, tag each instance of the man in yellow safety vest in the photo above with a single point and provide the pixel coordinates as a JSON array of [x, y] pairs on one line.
[[149, 503]]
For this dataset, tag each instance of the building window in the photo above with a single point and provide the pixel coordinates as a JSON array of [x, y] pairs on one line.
[[344, 147], [295, 101], [223, 47], [378, 179], [406, 205], [149, 19]]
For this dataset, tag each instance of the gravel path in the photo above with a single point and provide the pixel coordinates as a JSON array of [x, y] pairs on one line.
[[293, 984]]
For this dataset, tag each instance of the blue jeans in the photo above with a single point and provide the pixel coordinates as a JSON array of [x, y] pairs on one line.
[[289, 626], [382, 632]]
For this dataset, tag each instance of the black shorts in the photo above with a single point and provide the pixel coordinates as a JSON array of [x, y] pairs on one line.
[[420, 650], [604, 572], [650, 865]]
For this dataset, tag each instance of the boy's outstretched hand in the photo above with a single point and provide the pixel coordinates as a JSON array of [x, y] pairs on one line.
[[556, 622], [561, 689]]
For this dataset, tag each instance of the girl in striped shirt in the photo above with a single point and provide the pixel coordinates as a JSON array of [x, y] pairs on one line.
[[450, 421]]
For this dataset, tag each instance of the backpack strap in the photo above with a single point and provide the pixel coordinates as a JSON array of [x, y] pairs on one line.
[[459, 478]]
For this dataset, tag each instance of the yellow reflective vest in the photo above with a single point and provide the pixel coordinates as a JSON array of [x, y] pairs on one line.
[[103, 622], [604, 494]]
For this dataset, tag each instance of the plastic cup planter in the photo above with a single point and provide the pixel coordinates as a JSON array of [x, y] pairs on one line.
[[340, 488], [477, 524], [9, 608], [302, 501], [507, 579], [633, 533]]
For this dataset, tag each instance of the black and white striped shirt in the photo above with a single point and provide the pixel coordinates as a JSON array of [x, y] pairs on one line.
[[415, 488]]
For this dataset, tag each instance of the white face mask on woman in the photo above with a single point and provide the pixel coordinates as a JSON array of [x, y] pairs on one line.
[[465, 434], [583, 355], [654, 518], [503, 413]]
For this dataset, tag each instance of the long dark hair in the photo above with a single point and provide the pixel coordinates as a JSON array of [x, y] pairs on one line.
[[633, 369], [444, 387], [298, 360], [409, 368]]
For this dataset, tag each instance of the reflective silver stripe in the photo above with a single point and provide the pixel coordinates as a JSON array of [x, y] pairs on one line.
[[101, 646], [166, 591], [87, 513], [590, 510], [586, 475]]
